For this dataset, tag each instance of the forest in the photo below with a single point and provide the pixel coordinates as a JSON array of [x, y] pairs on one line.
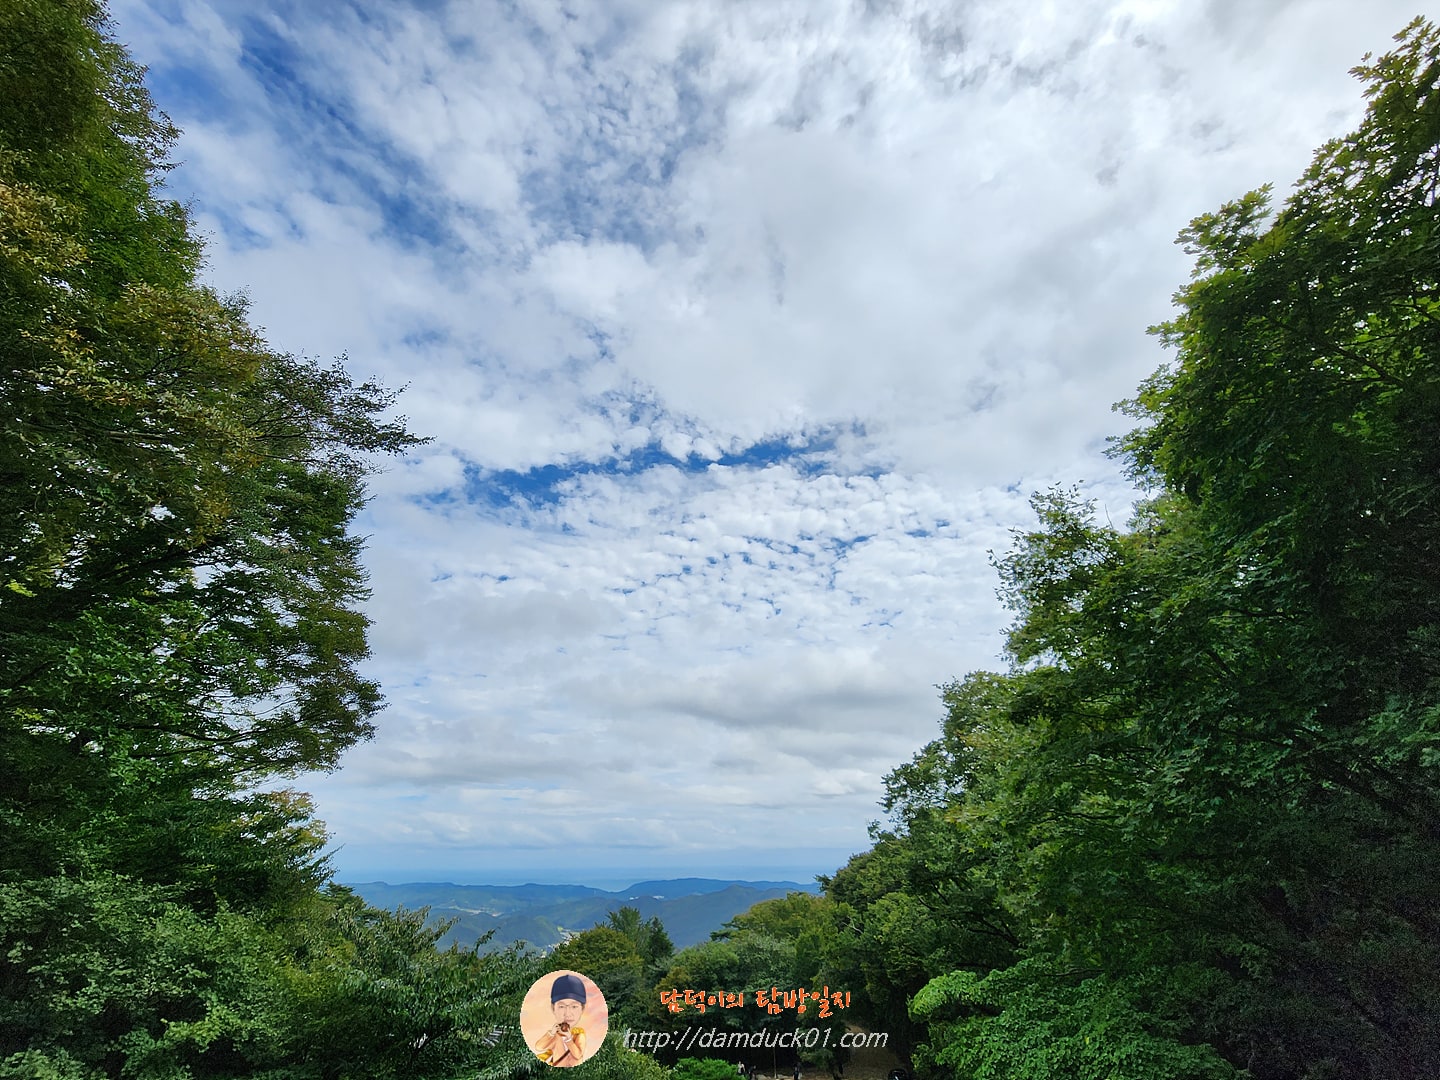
[[1191, 832]]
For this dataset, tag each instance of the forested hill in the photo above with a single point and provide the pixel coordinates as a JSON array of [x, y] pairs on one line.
[[541, 915]]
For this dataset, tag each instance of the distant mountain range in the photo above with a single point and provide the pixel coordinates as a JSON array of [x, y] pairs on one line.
[[542, 915]]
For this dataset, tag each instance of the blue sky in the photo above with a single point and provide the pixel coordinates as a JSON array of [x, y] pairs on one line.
[[743, 332]]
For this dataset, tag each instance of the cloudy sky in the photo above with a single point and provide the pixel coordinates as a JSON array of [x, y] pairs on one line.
[[743, 331]]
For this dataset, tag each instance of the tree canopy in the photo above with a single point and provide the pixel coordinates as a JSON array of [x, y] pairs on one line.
[[179, 623], [1190, 832]]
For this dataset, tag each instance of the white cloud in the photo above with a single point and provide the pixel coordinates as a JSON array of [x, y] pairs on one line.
[[926, 236]]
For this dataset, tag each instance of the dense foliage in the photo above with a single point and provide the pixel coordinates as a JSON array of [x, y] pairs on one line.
[[179, 623], [776, 945], [624, 955], [702, 1069], [1192, 832]]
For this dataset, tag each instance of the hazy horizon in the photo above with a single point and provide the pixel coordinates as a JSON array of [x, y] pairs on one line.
[[609, 880]]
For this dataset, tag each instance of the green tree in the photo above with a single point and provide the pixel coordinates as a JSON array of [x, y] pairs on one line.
[[703, 1069], [925, 898], [1200, 809], [375, 998], [179, 588], [611, 1062], [743, 964], [801, 918], [744, 957], [648, 935], [178, 621], [610, 958]]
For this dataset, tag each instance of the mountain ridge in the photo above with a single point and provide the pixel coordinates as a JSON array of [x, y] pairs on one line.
[[542, 916]]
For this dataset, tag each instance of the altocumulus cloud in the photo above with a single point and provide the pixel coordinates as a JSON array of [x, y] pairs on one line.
[[743, 331]]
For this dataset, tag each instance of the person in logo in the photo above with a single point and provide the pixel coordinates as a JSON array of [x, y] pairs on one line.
[[563, 1043]]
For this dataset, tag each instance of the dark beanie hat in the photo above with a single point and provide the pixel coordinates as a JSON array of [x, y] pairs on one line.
[[567, 986]]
